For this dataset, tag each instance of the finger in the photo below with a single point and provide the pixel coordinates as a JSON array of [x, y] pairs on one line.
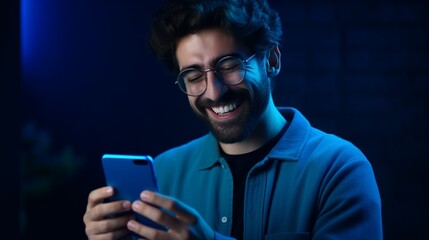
[[118, 234], [97, 196], [146, 232], [107, 210], [157, 215], [182, 212], [116, 226]]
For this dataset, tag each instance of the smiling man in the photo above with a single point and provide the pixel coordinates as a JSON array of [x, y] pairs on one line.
[[262, 172], [241, 114]]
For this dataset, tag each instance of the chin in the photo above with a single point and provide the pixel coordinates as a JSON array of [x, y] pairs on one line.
[[234, 131]]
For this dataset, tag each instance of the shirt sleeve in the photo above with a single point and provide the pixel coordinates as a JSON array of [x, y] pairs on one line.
[[350, 204]]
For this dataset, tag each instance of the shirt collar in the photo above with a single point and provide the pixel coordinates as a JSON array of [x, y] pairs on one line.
[[210, 152], [288, 148]]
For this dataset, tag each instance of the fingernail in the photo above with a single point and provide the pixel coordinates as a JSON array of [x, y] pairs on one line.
[[137, 205], [109, 190], [145, 195], [131, 224], [126, 205]]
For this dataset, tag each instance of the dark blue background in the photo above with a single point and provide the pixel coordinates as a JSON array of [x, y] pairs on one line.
[[359, 69]]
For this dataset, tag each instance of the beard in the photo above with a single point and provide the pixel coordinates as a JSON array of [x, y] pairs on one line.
[[252, 105]]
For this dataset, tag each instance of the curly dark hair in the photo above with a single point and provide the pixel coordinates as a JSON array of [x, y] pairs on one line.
[[252, 22]]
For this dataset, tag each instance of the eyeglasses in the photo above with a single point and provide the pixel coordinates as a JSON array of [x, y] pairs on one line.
[[231, 70]]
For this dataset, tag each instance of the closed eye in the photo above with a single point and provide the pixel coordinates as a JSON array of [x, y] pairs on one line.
[[229, 68], [194, 77]]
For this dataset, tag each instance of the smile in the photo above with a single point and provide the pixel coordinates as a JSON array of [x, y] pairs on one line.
[[224, 109]]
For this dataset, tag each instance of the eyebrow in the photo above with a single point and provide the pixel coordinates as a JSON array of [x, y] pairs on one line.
[[213, 62]]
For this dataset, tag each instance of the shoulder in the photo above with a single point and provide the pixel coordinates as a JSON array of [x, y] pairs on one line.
[[304, 142], [331, 154], [332, 145], [338, 162]]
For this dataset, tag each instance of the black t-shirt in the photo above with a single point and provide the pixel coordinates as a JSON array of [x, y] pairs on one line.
[[240, 166]]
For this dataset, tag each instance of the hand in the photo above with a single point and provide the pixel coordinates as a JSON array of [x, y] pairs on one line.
[[99, 223], [182, 221]]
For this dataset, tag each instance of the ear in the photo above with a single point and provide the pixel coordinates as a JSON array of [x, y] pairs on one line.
[[274, 61]]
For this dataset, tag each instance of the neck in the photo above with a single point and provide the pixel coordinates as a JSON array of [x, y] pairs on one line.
[[269, 125]]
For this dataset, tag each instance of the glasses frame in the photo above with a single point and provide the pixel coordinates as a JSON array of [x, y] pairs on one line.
[[205, 71]]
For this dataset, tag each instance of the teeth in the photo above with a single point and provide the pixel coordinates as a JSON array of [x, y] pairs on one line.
[[224, 109]]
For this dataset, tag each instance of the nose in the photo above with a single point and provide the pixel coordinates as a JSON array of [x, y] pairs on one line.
[[215, 87]]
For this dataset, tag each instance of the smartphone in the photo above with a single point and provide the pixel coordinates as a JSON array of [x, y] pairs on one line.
[[129, 175]]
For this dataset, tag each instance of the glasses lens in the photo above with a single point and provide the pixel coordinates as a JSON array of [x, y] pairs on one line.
[[191, 81], [231, 70]]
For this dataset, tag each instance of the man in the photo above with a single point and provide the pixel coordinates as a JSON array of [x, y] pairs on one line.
[[261, 172]]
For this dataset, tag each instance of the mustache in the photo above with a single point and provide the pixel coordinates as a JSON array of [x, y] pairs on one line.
[[228, 97]]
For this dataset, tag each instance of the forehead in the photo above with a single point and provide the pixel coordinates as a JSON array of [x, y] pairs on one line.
[[202, 47]]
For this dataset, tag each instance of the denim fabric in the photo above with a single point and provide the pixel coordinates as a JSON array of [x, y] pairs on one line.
[[312, 185]]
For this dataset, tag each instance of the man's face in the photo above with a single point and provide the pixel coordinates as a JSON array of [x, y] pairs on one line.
[[231, 112]]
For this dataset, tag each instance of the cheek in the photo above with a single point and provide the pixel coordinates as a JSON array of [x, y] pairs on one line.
[[255, 74], [192, 102], [254, 79]]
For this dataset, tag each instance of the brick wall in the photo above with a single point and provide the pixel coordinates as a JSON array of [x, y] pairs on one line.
[[360, 69]]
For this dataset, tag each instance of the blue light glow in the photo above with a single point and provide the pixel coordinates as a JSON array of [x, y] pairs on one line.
[[30, 30]]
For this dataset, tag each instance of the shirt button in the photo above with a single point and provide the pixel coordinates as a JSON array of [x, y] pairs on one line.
[[224, 219]]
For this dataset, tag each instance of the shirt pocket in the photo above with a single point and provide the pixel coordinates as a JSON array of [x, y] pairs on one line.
[[289, 236]]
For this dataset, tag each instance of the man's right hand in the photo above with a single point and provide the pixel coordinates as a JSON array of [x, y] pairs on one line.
[[99, 223]]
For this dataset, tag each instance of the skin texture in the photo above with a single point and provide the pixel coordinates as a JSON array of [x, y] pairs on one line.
[[246, 128], [255, 120], [98, 225]]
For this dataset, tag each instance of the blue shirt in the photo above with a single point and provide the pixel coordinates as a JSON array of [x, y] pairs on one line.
[[312, 185]]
